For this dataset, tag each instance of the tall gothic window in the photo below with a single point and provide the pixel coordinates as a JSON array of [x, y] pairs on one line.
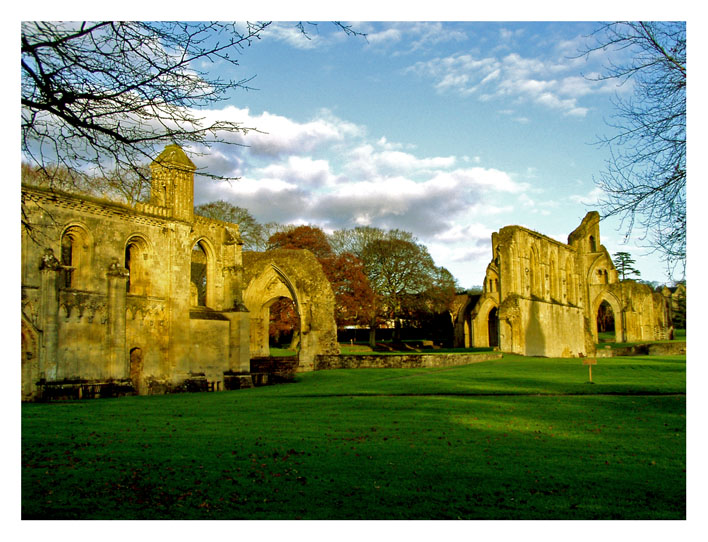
[[199, 275], [136, 262], [75, 256], [67, 259]]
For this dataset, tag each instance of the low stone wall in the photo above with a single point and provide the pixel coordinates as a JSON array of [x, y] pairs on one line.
[[403, 361], [279, 369], [83, 389], [649, 349]]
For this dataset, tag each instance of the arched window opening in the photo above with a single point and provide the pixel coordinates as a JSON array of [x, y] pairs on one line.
[[284, 327], [593, 244], [605, 323], [129, 257], [67, 259], [136, 262], [74, 257], [199, 276], [602, 276], [493, 327], [492, 285]]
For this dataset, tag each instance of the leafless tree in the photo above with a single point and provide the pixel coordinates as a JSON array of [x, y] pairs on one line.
[[99, 100], [104, 96], [645, 178], [101, 97]]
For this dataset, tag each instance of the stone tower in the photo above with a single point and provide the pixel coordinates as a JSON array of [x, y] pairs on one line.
[[173, 183]]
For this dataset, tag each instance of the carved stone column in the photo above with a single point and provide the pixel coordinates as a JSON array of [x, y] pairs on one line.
[[50, 269], [118, 363]]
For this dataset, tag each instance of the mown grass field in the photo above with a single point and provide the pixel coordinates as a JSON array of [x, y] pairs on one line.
[[517, 438]]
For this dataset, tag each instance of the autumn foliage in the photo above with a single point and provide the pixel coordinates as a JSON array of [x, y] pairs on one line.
[[354, 298]]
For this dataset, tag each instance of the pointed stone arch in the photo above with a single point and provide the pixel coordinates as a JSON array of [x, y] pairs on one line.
[[202, 272], [76, 255], [463, 321], [616, 306], [137, 260], [296, 275], [486, 308]]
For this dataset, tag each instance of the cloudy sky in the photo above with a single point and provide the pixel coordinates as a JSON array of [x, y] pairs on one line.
[[448, 130]]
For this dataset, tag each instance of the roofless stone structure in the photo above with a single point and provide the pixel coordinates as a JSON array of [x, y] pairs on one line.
[[152, 298], [146, 298], [542, 297]]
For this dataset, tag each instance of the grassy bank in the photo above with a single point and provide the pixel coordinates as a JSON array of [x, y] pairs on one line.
[[509, 439]]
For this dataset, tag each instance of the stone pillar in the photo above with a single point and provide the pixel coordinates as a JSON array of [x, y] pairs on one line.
[[239, 339], [50, 269], [258, 334], [118, 363]]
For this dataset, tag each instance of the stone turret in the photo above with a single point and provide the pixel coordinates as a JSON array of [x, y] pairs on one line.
[[173, 183]]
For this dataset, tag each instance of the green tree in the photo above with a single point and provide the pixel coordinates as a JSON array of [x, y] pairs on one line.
[[405, 279], [355, 240], [252, 233], [624, 263], [645, 178]]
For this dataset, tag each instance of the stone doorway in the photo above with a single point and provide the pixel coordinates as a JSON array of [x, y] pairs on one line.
[[606, 331], [493, 328]]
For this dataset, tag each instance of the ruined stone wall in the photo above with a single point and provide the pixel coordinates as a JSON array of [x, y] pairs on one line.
[[83, 309], [547, 329], [296, 275], [107, 288], [541, 297], [417, 361], [209, 347]]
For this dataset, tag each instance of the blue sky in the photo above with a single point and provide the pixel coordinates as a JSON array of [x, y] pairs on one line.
[[448, 130]]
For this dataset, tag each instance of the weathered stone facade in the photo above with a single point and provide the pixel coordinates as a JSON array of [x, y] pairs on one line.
[[542, 297], [145, 298]]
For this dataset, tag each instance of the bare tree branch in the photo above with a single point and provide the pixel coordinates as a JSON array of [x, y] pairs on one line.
[[645, 177]]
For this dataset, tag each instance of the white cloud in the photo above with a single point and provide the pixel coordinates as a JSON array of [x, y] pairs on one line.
[[300, 171], [591, 199], [550, 83], [273, 135], [290, 34], [417, 34], [326, 172], [386, 36], [365, 162]]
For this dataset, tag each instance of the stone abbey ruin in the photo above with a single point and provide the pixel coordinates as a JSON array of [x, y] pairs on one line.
[[152, 298], [542, 297]]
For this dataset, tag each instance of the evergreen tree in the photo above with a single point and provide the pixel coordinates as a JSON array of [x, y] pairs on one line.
[[624, 263]]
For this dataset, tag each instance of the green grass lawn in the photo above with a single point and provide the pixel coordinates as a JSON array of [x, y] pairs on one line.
[[517, 438]]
